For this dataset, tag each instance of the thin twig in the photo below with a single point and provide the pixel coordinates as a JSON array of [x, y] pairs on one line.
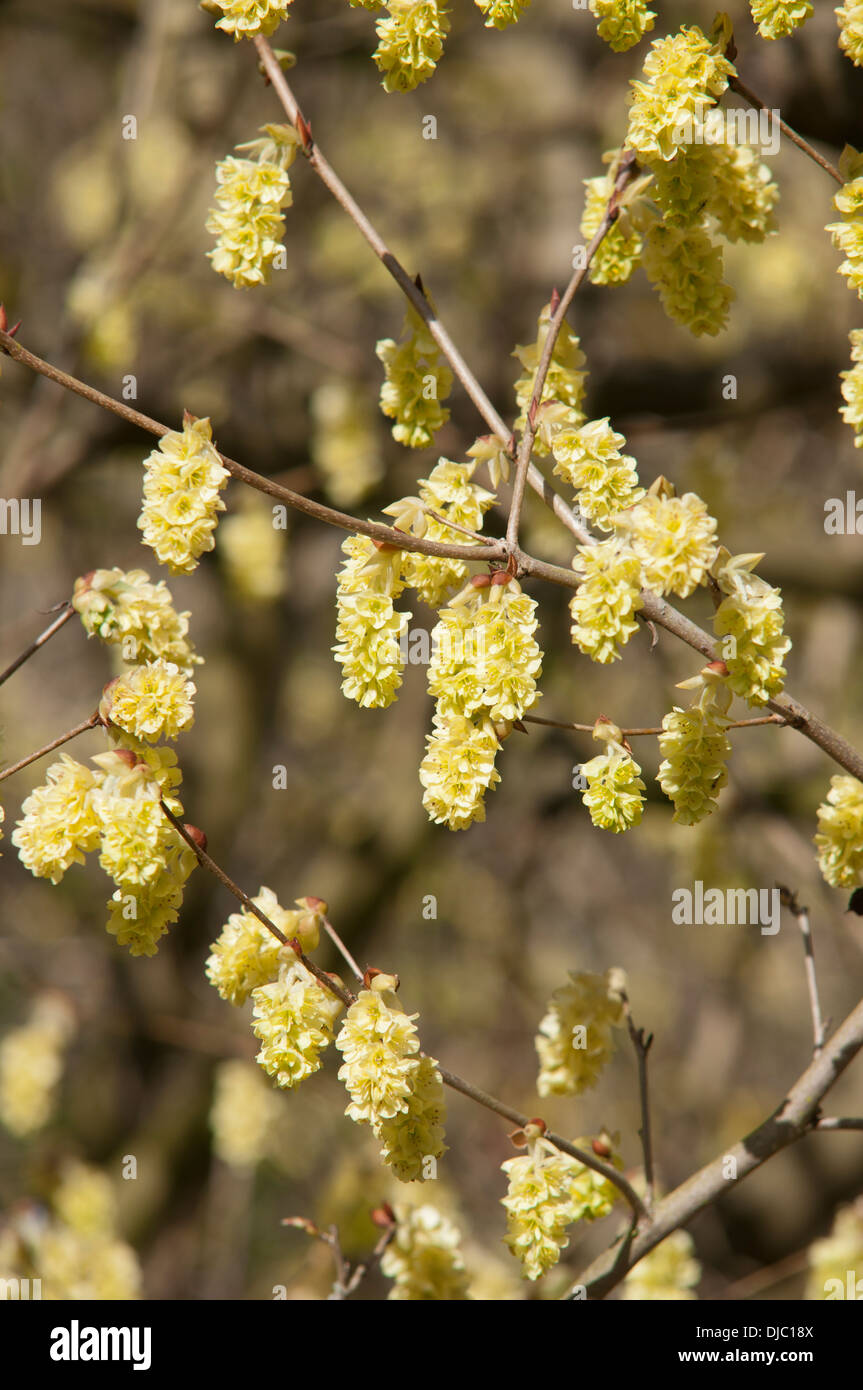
[[67, 613], [832, 1122], [642, 1046], [347, 998], [627, 169], [364, 1269], [638, 733], [819, 1027], [340, 946], [740, 87], [794, 1117], [453, 526], [49, 747]]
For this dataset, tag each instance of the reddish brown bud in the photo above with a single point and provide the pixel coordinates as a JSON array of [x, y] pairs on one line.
[[383, 1216], [480, 581], [501, 577], [128, 757], [197, 835], [601, 1148], [555, 301], [718, 666]]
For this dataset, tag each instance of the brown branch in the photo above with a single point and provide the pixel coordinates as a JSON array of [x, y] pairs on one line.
[[740, 87], [642, 1046], [49, 747], [834, 1122], [796, 1116], [638, 733], [67, 612]]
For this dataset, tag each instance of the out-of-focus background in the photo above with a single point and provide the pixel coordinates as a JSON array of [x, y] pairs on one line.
[[102, 254]]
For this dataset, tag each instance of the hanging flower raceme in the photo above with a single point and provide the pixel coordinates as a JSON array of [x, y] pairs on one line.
[[685, 267], [485, 659], [58, 825], [458, 769], [778, 18], [670, 1272], [849, 17], [247, 219], [152, 701], [548, 1192], [839, 840], [410, 42], [416, 380], [622, 23], [392, 1088], [575, 1041], [565, 381], [686, 74], [369, 631], [619, 253], [450, 493], [695, 746], [589, 459], [294, 1019], [125, 609], [424, 1258], [182, 485], [614, 786], [246, 954], [674, 538], [852, 388], [749, 620], [848, 234], [607, 599], [31, 1065], [246, 18], [500, 13], [727, 181]]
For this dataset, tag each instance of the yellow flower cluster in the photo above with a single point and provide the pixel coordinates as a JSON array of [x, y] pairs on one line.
[[727, 181], [685, 267], [622, 23], [500, 13], [182, 485], [391, 1087], [247, 220], [424, 1258], [117, 811], [852, 388], [575, 1040], [686, 74], [669, 1273], [848, 234], [344, 443], [294, 1020], [776, 19], [548, 1192], [588, 457], [245, 18], [607, 599], [483, 670], [832, 1258], [839, 840], [369, 630], [614, 786], [750, 622], [410, 42], [416, 380], [565, 382], [246, 954], [31, 1064], [619, 252], [125, 609], [694, 747], [674, 538], [849, 17], [151, 701], [450, 493]]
